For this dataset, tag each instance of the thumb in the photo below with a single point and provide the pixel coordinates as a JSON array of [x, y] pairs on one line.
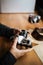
[[15, 42]]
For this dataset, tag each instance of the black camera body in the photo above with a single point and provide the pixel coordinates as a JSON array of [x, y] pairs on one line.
[[22, 39], [38, 34]]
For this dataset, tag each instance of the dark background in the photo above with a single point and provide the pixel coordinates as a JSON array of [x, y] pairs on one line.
[[39, 7], [0, 6]]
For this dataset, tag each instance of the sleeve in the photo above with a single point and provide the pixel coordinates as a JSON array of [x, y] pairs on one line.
[[8, 59], [8, 32]]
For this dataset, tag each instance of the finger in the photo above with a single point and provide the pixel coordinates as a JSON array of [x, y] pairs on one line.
[[15, 42], [19, 30], [23, 47], [18, 47], [25, 51]]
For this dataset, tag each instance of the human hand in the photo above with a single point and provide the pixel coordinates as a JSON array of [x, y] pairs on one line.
[[17, 52]]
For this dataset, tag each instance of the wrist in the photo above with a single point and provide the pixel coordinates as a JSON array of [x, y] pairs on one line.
[[12, 51]]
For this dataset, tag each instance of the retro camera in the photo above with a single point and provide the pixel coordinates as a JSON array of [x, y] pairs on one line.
[[34, 18], [22, 39]]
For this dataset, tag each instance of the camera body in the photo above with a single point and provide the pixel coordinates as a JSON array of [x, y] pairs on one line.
[[34, 18], [22, 39]]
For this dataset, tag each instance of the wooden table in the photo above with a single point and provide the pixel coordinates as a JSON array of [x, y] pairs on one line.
[[20, 21]]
